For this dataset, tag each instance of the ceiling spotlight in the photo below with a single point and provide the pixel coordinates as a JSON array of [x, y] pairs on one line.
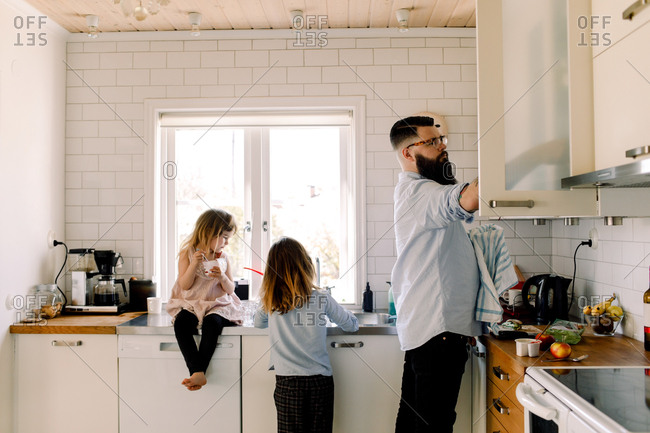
[[297, 20], [92, 21], [195, 22], [402, 19], [140, 12]]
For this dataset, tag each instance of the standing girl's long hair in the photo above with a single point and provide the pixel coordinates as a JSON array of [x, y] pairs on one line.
[[211, 223], [288, 278]]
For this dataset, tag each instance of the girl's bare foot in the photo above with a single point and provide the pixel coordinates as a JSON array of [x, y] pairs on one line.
[[195, 382]]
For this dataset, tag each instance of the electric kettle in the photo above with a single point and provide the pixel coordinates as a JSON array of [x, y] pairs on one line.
[[550, 300]]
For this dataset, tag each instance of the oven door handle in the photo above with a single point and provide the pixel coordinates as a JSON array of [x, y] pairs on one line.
[[530, 401]]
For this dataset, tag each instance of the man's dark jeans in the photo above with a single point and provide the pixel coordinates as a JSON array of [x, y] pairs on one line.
[[430, 385]]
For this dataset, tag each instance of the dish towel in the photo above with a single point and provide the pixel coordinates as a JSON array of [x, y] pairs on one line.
[[496, 271]]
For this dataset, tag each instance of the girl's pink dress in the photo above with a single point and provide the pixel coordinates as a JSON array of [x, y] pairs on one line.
[[206, 297]]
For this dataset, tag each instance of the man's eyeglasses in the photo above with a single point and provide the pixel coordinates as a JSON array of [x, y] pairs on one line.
[[435, 141]]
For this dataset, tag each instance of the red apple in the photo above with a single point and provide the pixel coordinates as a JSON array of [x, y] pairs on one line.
[[560, 350], [546, 340]]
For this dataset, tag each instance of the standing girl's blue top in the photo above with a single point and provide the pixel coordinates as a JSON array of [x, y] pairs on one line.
[[298, 346]]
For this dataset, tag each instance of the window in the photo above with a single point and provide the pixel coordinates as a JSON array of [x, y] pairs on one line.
[[280, 174]]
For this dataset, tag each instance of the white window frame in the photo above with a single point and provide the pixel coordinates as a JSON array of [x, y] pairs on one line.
[[353, 159]]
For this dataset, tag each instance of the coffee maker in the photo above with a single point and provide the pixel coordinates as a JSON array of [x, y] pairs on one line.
[[82, 270], [105, 294]]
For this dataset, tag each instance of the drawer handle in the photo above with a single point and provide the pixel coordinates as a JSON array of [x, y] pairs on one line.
[[173, 347], [512, 203], [500, 374], [66, 343], [337, 345], [498, 404]]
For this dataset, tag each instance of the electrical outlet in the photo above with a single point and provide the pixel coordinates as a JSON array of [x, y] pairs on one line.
[[593, 237], [51, 236], [9, 302]]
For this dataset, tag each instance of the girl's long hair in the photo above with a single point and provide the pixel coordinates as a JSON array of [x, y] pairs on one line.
[[288, 278], [211, 223]]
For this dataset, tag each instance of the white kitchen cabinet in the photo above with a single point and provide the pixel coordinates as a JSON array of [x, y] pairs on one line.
[[367, 385], [152, 398], [66, 383], [621, 68], [535, 108], [367, 381], [258, 384]]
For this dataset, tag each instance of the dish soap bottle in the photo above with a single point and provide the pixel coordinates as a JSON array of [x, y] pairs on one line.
[[391, 300], [367, 299]]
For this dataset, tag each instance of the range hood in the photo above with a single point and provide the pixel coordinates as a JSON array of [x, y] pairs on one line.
[[633, 175]]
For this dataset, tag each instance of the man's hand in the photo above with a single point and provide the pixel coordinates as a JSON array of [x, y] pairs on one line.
[[469, 196]]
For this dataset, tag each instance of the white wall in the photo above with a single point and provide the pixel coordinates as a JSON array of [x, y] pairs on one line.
[[32, 104], [432, 70]]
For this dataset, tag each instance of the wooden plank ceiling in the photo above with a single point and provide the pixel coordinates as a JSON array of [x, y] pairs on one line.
[[259, 14]]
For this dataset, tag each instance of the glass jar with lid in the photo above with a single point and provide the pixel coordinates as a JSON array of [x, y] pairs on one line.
[[49, 300]]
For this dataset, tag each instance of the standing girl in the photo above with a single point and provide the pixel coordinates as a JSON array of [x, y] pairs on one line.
[[204, 298], [296, 316]]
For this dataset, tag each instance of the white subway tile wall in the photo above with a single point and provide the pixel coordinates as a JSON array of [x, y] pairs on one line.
[[618, 265], [109, 81], [398, 77]]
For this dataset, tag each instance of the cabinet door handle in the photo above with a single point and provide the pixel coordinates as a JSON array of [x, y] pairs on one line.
[[476, 352], [173, 347], [337, 345], [66, 343], [498, 405], [511, 203], [500, 374]]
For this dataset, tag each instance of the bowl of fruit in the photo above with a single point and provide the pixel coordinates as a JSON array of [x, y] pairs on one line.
[[604, 318]]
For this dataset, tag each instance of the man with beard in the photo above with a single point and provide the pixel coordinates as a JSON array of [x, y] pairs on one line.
[[435, 278]]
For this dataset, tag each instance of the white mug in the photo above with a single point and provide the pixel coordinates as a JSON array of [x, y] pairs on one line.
[[513, 296], [154, 305]]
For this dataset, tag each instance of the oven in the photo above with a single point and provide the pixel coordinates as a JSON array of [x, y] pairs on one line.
[[586, 400]]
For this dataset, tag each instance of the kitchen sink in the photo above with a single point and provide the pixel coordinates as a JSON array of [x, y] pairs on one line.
[[374, 319]]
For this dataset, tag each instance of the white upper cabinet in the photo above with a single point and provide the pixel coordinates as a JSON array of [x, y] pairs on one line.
[[621, 81], [535, 107]]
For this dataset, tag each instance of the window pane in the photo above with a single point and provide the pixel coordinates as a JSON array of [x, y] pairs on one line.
[[305, 196], [210, 167]]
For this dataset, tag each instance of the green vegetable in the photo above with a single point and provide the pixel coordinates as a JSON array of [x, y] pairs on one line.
[[565, 331]]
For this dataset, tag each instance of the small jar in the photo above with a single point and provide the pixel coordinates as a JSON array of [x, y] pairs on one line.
[[49, 299]]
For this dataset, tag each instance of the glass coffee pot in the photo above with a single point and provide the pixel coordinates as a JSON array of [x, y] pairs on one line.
[[106, 290]]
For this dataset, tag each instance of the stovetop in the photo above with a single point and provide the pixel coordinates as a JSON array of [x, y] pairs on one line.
[[621, 393]]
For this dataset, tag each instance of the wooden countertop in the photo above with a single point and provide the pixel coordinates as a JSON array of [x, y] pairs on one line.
[[75, 324], [616, 350]]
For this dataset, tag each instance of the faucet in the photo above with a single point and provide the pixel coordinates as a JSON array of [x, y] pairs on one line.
[[317, 271]]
